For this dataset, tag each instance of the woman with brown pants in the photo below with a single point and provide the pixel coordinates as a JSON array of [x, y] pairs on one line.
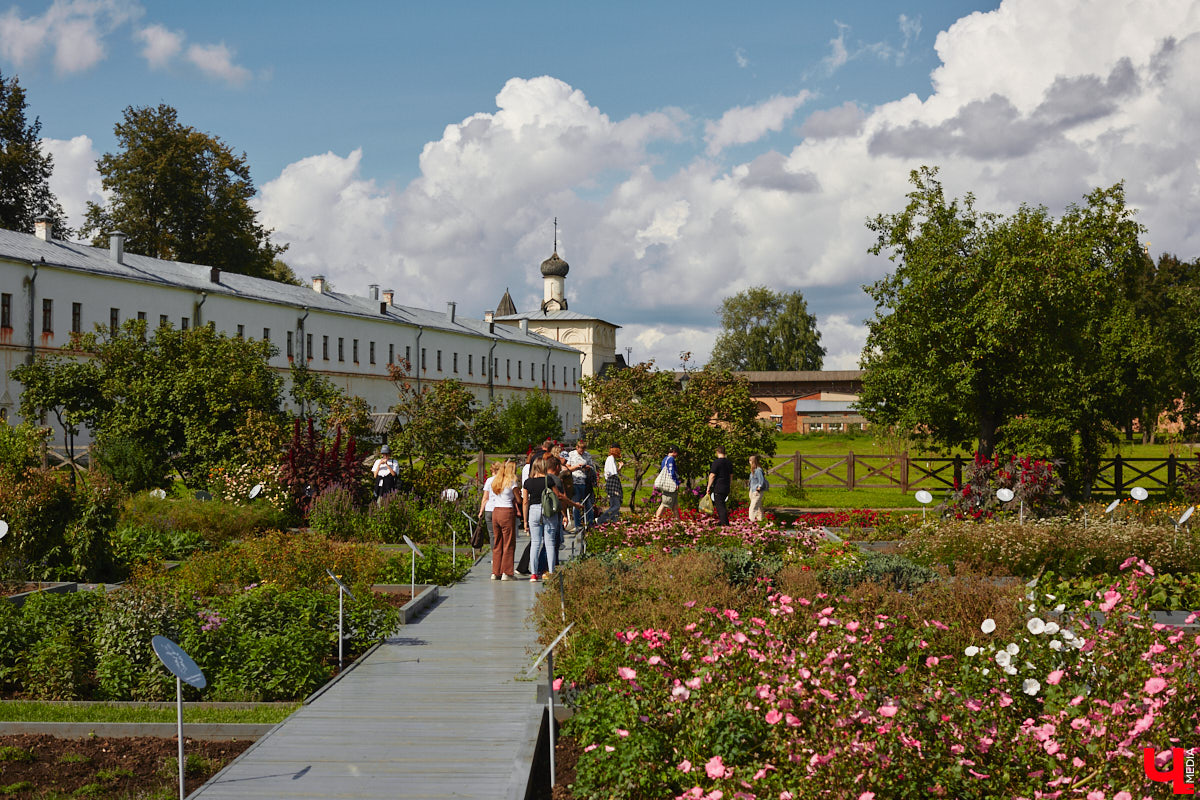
[[504, 522]]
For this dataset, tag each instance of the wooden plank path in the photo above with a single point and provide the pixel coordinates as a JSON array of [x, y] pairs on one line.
[[441, 709]]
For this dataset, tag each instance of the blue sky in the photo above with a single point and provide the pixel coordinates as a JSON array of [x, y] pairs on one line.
[[689, 150]]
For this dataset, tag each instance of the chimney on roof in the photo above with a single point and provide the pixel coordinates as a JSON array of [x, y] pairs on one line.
[[214, 275], [319, 284], [388, 296], [525, 325], [490, 318], [116, 246], [43, 228], [450, 311], [373, 291]]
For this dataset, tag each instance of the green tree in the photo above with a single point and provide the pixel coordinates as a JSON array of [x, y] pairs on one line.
[[63, 385], [643, 411], [180, 194], [24, 169], [512, 426], [177, 399], [1012, 332], [765, 330]]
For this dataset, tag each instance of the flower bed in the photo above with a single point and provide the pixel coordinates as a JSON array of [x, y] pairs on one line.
[[692, 686]]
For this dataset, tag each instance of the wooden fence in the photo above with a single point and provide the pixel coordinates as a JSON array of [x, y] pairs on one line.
[[907, 473]]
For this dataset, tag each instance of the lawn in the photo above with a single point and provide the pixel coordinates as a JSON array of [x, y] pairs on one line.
[[254, 714]]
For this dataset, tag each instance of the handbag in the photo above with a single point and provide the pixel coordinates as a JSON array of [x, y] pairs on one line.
[[664, 482]]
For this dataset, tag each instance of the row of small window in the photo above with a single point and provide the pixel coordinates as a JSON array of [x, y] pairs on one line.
[[114, 322], [114, 316], [424, 365]]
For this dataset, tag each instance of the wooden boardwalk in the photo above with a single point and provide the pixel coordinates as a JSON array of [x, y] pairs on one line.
[[441, 709]]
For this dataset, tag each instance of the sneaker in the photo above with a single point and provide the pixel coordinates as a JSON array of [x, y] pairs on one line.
[[495, 577], [505, 577], [534, 577]]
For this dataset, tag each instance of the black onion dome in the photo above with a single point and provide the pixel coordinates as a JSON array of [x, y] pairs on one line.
[[555, 266]]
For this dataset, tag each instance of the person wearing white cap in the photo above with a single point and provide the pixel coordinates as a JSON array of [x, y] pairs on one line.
[[385, 471]]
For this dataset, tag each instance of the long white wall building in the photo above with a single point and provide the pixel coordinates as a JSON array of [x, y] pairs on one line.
[[50, 288]]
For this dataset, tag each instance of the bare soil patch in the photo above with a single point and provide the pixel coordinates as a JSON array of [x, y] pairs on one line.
[[41, 766]]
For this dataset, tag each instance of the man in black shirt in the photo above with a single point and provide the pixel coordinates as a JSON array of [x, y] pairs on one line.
[[720, 477]]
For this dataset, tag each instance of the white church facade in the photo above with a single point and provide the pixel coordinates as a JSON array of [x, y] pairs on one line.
[[595, 338], [50, 288]]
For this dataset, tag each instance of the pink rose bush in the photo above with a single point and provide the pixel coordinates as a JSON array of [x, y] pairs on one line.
[[807, 697]]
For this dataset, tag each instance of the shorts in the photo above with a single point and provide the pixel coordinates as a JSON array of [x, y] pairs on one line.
[[670, 500]]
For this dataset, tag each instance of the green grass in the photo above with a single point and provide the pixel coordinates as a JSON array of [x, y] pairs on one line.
[[30, 711]]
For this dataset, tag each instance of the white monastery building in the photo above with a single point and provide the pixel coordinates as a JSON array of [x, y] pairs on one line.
[[50, 288]]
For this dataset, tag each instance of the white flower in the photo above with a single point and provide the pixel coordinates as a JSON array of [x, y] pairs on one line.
[[1051, 598], [1010, 670], [972, 650], [1032, 608], [1035, 625], [1013, 649], [1055, 645], [986, 670], [1061, 607], [1031, 686], [988, 625], [1002, 658], [1068, 635], [1078, 642], [1051, 628]]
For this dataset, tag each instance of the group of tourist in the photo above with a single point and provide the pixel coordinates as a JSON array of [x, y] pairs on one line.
[[554, 493], [720, 480]]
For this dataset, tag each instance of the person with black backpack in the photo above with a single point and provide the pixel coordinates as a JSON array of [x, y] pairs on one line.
[[542, 498]]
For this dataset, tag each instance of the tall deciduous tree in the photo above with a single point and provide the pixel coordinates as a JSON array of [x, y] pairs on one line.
[[24, 169], [175, 399], [180, 194], [765, 330], [1014, 332], [643, 411], [433, 430]]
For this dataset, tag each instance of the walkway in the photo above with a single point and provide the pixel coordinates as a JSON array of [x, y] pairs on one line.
[[442, 709]]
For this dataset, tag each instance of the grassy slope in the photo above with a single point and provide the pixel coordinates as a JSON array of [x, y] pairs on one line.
[[32, 711]]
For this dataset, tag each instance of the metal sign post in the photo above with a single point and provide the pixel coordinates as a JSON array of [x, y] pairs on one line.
[[255, 490], [416, 551], [342, 589], [924, 498], [548, 656], [470, 535], [185, 671]]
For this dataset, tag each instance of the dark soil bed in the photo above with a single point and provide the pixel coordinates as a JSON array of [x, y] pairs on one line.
[[566, 753], [37, 766], [395, 599]]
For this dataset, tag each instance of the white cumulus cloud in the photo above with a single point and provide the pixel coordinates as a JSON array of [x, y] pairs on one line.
[[74, 30], [746, 124], [75, 180], [160, 45], [217, 61]]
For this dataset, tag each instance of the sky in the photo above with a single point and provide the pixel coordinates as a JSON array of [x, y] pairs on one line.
[[689, 150]]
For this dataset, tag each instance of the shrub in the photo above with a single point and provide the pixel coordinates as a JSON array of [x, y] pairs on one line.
[[231, 482], [59, 630], [132, 463], [37, 505], [1188, 481], [335, 514], [390, 518], [21, 446], [97, 501], [286, 560], [133, 544], [216, 521], [1033, 481], [311, 465], [126, 665], [437, 567], [891, 570]]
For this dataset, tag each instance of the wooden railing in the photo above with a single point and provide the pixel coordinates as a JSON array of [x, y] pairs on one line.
[[908, 473]]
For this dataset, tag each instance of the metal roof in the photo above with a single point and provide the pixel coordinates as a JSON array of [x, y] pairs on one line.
[[24, 247], [826, 406], [553, 316]]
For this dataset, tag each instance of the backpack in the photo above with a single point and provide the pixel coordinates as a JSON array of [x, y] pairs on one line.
[[550, 501]]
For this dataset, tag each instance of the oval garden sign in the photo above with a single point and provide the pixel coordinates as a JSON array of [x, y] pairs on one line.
[[179, 662]]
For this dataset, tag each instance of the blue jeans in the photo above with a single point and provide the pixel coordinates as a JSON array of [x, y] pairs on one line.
[[578, 493], [543, 540]]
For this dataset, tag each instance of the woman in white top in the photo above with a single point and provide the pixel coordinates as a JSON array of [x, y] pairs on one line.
[[612, 485], [504, 521], [488, 503]]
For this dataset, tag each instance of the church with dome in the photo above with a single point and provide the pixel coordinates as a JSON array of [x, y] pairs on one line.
[[595, 338]]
